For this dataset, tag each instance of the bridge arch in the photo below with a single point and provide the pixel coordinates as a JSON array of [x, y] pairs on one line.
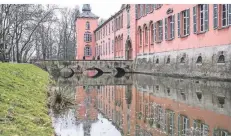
[[67, 72], [98, 74], [118, 72]]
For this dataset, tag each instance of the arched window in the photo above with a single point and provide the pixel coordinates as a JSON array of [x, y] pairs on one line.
[[121, 43], [140, 36], [182, 60], [168, 60], [87, 25], [152, 34], [199, 59], [87, 37], [157, 61], [87, 50], [221, 59], [146, 35]]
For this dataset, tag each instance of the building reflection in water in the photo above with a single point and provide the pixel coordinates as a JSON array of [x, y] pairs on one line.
[[159, 106]]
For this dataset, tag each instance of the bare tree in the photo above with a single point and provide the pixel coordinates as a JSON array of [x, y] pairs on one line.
[[37, 30]]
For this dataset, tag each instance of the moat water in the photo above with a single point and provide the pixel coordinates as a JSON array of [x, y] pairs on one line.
[[143, 105]]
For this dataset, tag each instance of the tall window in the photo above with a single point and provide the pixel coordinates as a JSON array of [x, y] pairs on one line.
[[106, 30], [224, 14], [169, 27], [200, 129], [128, 18], [152, 33], [146, 35], [183, 23], [112, 46], [221, 15], [112, 26], [87, 37], [170, 122], [87, 50], [106, 49], [121, 26], [183, 125], [200, 11], [109, 28], [109, 47], [140, 36], [158, 31], [87, 25]]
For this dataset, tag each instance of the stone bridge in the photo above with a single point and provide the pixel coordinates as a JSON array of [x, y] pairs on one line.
[[106, 79], [79, 66]]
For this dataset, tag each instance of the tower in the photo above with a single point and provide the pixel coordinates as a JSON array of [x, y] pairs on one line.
[[86, 23]]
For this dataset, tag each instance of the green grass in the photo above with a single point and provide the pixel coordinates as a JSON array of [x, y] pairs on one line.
[[23, 110]]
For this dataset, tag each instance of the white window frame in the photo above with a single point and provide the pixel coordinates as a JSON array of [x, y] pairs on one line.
[[202, 19], [87, 51], [185, 124], [226, 15], [185, 23], [87, 37], [171, 22]]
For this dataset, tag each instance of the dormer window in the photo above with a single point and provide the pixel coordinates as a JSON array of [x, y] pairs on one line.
[[87, 25]]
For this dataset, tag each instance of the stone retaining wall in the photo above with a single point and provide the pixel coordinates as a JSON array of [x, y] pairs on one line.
[[206, 62]]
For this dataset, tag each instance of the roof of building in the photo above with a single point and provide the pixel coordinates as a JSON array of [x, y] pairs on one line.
[[86, 12]]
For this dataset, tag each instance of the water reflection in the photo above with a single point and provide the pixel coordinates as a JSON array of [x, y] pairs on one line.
[[142, 105]]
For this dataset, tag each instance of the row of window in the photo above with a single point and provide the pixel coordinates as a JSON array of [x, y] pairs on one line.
[[164, 120], [221, 59], [105, 48], [108, 28], [200, 23], [144, 9]]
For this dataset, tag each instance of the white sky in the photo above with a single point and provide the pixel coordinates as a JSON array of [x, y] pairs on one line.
[[103, 10]]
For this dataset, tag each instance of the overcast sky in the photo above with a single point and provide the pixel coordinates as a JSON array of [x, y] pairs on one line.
[[102, 10]]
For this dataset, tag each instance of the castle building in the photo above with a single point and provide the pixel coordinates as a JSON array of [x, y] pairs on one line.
[[86, 23], [157, 31]]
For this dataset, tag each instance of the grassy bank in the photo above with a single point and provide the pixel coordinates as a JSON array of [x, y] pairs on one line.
[[23, 110]]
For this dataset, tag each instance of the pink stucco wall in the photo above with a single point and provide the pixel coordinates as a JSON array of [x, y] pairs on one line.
[[210, 38], [80, 30], [105, 39]]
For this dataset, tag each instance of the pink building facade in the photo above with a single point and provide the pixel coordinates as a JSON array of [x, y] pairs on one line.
[[86, 23], [160, 33]]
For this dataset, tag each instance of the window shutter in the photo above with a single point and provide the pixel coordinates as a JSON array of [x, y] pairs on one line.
[[154, 24], [215, 16], [229, 14], [141, 10], [166, 28], [147, 8], [206, 17], [188, 21], [136, 11], [173, 31], [195, 19], [178, 24], [179, 125]]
